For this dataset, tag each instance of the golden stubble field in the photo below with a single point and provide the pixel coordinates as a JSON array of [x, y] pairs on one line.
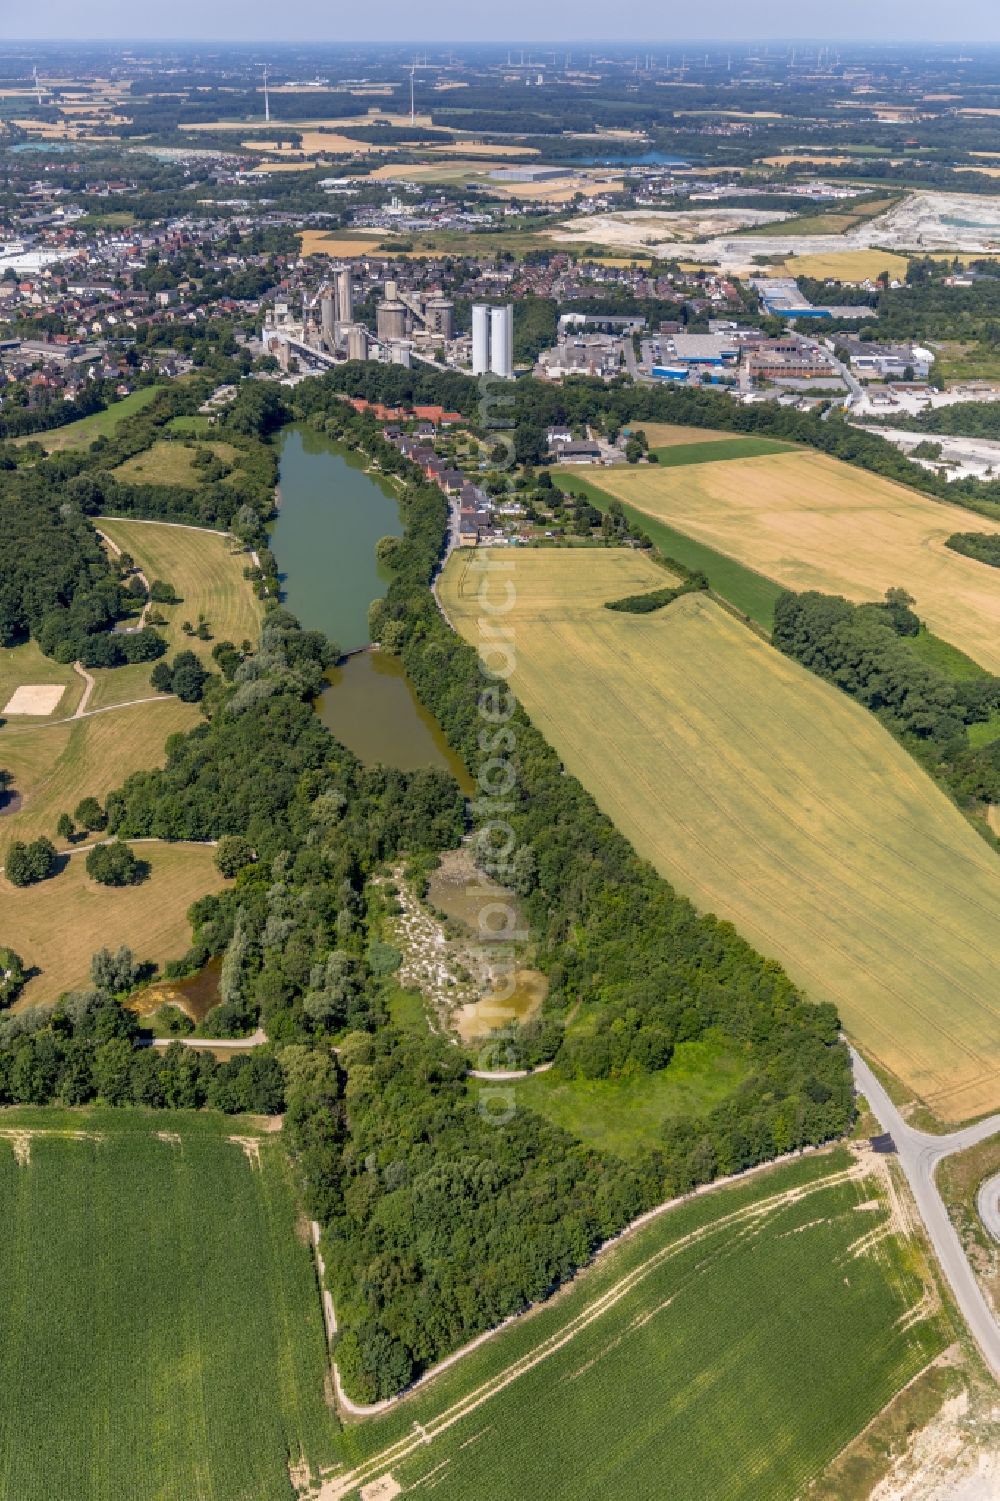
[[770, 799], [811, 522]]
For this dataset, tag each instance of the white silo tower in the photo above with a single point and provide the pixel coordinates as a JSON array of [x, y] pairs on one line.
[[480, 339], [345, 295], [502, 341]]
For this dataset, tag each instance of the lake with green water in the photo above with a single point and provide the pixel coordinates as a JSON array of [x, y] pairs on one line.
[[332, 514]]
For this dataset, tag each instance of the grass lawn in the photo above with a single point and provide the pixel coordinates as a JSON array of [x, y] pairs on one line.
[[982, 734], [206, 570], [626, 1116], [730, 1349], [750, 592], [808, 521], [195, 425], [160, 1334], [165, 463], [772, 800], [22, 666], [54, 766], [959, 362], [945, 657], [81, 434], [836, 222], [58, 924]]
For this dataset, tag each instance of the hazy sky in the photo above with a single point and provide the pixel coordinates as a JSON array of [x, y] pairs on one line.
[[565, 22]]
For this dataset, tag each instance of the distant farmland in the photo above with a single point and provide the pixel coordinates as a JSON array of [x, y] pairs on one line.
[[811, 522], [160, 1330], [772, 800], [730, 1348]]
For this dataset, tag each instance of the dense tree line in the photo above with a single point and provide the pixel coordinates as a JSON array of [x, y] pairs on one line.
[[656, 599], [983, 546], [867, 651], [54, 411], [85, 1050], [964, 419], [56, 584]]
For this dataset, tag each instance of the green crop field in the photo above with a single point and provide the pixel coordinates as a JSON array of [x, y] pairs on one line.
[[728, 1349], [717, 450], [770, 799], [81, 433], [748, 591], [161, 1337]]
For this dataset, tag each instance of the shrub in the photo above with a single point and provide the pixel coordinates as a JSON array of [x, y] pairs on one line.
[[12, 976], [90, 815], [233, 853], [28, 863], [115, 865]]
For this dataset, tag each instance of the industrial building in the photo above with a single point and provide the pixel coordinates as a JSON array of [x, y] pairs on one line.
[[781, 298], [493, 340], [703, 349], [530, 174], [409, 326]]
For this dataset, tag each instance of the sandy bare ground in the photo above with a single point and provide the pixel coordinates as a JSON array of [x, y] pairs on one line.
[[37, 699], [948, 1460], [645, 229], [921, 221]]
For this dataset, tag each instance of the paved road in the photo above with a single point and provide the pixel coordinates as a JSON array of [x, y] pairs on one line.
[[855, 390], [919, 1155], [230, 1044]]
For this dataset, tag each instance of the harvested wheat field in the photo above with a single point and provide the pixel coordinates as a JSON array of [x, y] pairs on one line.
[[811, 522], [57, 925], [847, 265], [53, 766], [770, 799], [321, 242]]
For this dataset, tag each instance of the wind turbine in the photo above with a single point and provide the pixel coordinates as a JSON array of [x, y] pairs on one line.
[[267, 102], [38, 87], [413, 114]]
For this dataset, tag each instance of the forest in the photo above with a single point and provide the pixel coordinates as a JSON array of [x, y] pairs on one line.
[[438, 1222], [868, 652], [56, 584]]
